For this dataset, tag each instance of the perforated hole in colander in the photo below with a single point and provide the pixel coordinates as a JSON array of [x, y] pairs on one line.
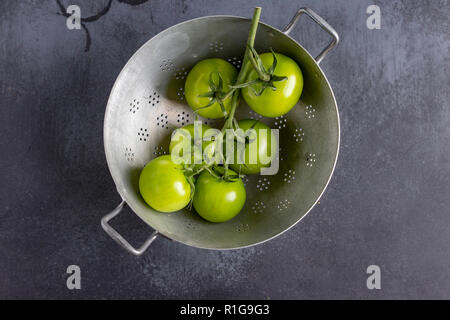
[[153, 98], [289, 176], [258, 207], [211, 122], [242, 227], [310, 112], [235, 62], [281, 154], [263, 184], [283, 204], [180, 73], [253, 115], [162, 121], [166, 65], [280, 122], [159, 151], [129, 154], [311, 159], [298, 135], [180, 93], [134, 106], [183, 118], [143, 134], [216, 46], [190, 226], [245, 180]]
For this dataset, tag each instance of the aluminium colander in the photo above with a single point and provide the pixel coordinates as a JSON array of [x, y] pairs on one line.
[[147, 102]]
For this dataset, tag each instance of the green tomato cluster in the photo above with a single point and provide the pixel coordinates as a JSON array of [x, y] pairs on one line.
[[273, 102], [216, 191]]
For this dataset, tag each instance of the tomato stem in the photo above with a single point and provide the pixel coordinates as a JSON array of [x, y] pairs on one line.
[[266, 77], [217, 95], [245, 66], [241, 78], [259, 68], [190, 180]]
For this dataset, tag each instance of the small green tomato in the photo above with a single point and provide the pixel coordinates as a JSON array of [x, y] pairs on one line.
[[217, 200], [163, 185]]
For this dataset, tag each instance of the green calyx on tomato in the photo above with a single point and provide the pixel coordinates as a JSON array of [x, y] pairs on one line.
[[164, 186], [206, 87], [274, 85], [216, 199], [266, 77], [257, 148]]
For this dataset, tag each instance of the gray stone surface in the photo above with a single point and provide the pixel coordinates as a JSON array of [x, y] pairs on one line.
[[387, 204]]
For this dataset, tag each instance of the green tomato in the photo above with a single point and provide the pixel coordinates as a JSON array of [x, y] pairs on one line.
[[260, 147], [197, 83], [180, 135], [163, 185], [178, 140], [275, 103], [217, 200]]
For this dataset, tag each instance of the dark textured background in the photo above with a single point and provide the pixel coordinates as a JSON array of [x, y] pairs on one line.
[[387, 204]]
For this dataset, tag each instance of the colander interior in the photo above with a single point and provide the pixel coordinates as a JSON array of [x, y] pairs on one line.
[[147, 103]]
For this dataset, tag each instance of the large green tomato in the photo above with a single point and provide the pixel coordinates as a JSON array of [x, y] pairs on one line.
[[197, 83], [163, 185], [275, 103], [180, 135], [217, 200], [260, 147]]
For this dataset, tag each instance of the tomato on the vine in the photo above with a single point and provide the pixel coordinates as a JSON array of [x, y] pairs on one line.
[[216, 199], [259, 150], [283, 96], [163, 185], [206, 85]]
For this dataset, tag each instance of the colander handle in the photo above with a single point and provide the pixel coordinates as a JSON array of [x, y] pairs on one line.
[[322, 23], [121, 240]]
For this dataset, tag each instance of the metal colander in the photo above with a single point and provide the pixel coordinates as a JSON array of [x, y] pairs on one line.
[[147, 102]]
